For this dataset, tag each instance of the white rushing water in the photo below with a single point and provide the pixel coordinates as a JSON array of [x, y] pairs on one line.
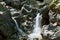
[[37, 29]]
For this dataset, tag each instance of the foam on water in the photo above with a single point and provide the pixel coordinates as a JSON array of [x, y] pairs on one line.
[[37, 28]]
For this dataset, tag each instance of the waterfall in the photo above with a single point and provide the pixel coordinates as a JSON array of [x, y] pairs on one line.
[[37, 29], [20, 30]]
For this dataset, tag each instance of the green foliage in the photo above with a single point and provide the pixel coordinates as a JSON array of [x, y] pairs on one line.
[[5, 10], [55, 6], [2, 8]]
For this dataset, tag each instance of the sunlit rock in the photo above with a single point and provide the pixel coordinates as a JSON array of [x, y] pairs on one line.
[[3, 3], [1, 12]]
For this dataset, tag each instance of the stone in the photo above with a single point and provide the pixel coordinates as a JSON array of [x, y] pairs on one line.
[[7, 25]]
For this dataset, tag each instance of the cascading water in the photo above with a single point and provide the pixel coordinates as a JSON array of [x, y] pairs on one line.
[[20, 31], [37, 29]]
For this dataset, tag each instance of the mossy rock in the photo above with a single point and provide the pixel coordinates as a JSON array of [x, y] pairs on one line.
[[7, 25]]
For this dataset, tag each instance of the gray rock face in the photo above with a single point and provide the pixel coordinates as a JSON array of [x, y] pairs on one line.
[[28, 15], [51, 31]]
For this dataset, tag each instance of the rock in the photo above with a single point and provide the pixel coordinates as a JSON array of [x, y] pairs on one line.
[[7, 25], [27, 16], [3, 3], [14, 3], [1, 0], [45, 17]]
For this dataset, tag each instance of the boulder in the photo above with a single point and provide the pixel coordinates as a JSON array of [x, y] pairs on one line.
[[7, 25]]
